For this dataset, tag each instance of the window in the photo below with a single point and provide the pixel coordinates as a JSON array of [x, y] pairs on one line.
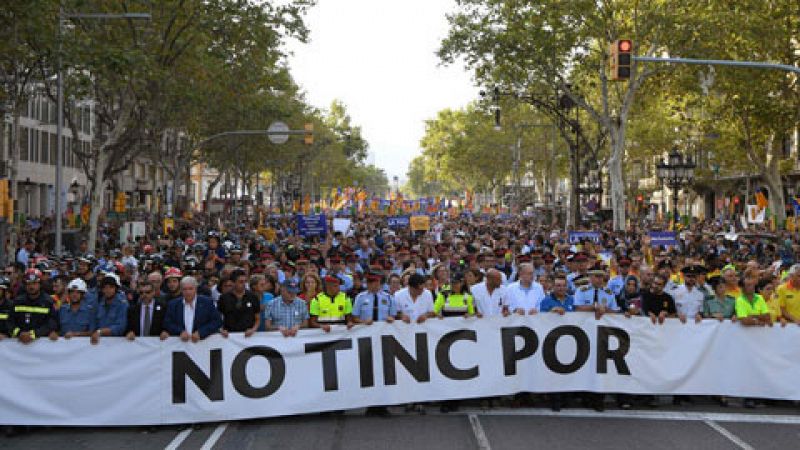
[[53, 149], [34, 153], [86, 122], [45, 156], [24, 139]]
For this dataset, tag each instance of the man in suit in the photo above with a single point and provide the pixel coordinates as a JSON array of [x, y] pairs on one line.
[[147, 317], [191, 316]]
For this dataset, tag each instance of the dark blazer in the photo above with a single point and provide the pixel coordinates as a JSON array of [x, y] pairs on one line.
[[156, 321], [207, 320]]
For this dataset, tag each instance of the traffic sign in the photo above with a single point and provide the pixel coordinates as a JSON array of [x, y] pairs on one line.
[[276, 132]]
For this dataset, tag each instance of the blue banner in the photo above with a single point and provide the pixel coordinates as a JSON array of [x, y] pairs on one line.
[[312, 225], [577, 236], [659, 238], [399, 221]]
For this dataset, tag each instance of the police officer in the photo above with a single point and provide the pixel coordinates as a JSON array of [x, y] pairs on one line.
[[75, 317], [599, 299], [331, 306], [455, 302], [371, 306], [32, 315], [595, 297], [374, 304], [617, 283]]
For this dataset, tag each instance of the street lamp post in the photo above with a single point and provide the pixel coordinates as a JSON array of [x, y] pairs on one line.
[[676, 172], [62, 16]]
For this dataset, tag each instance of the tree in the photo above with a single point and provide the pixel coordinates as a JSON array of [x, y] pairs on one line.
[[546, 46]]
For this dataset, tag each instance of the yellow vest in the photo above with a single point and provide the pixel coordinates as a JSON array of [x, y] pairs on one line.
[[329, 310]]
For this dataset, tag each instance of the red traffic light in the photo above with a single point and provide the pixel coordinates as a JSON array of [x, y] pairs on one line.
[[625, 45]]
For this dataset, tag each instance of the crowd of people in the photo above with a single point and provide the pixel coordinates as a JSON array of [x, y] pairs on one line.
[[200, 281]]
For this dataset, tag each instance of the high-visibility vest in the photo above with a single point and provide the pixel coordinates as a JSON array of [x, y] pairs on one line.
[[331, 311], [454, 305]]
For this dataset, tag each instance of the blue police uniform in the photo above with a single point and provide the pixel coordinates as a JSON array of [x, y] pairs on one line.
[[589, 295], [76, 321], [364, 306]]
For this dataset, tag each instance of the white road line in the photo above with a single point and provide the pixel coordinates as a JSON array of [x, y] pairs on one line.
[[209, 444], [731, 437], [178, 440], [477, 429], [645, 415]]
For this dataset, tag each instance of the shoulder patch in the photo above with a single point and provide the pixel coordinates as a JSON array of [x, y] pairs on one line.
[[608, 291], [584, 288]]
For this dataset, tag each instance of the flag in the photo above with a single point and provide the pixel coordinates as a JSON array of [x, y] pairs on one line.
[[761, 199], [796, 206]]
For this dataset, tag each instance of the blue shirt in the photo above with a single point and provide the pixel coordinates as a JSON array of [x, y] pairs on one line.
[[616, 284], [364, 304], [585, 296], [76, 321], [266, 299], [550, 302], [113, 316]]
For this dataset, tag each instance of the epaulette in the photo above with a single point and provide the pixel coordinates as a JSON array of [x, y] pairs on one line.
[[584, 288]]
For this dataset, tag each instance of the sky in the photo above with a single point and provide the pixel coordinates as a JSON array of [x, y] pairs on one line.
[[378, 57]]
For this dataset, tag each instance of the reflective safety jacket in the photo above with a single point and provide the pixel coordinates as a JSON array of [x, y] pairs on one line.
[[34, 315], [454, 305]]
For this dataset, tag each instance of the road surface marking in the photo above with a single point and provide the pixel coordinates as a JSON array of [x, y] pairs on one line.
[[209, 444], [179, 439], [477, 429], [731, 437], [646, 415]]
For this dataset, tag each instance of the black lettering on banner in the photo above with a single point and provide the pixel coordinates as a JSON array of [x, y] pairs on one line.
[[510, 353], [418, 368], [443, 361], [617, 355], [549, 349], [365, 362], [277, 372], [210, 385], [328, 350]]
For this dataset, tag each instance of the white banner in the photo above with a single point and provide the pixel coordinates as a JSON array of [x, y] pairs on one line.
[[117, 382]]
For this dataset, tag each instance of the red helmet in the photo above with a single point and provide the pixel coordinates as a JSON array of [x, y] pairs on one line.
[[32, 275], [173, 272]]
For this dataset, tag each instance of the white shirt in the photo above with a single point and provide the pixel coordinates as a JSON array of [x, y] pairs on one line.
[[688, 302], [188, 315], [489, 304], [411, 308], [526, 299]]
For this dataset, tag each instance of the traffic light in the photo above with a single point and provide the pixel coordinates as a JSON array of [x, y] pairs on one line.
[[621, 59], [308, 138], [6, 204], [120, 202]]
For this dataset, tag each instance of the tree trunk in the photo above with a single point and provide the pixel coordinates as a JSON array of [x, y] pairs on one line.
[[615, 175], [772, 178], [210, 191], [573, 212], [96, 198]]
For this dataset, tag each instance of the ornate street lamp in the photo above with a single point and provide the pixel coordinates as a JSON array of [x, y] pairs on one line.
[[676, 172]]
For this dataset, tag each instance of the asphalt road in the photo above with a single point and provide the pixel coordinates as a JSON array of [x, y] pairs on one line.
[[689, 427]]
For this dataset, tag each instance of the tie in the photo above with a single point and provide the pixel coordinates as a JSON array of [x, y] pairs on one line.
[[595, 295], [146, 329], [375, 307]]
